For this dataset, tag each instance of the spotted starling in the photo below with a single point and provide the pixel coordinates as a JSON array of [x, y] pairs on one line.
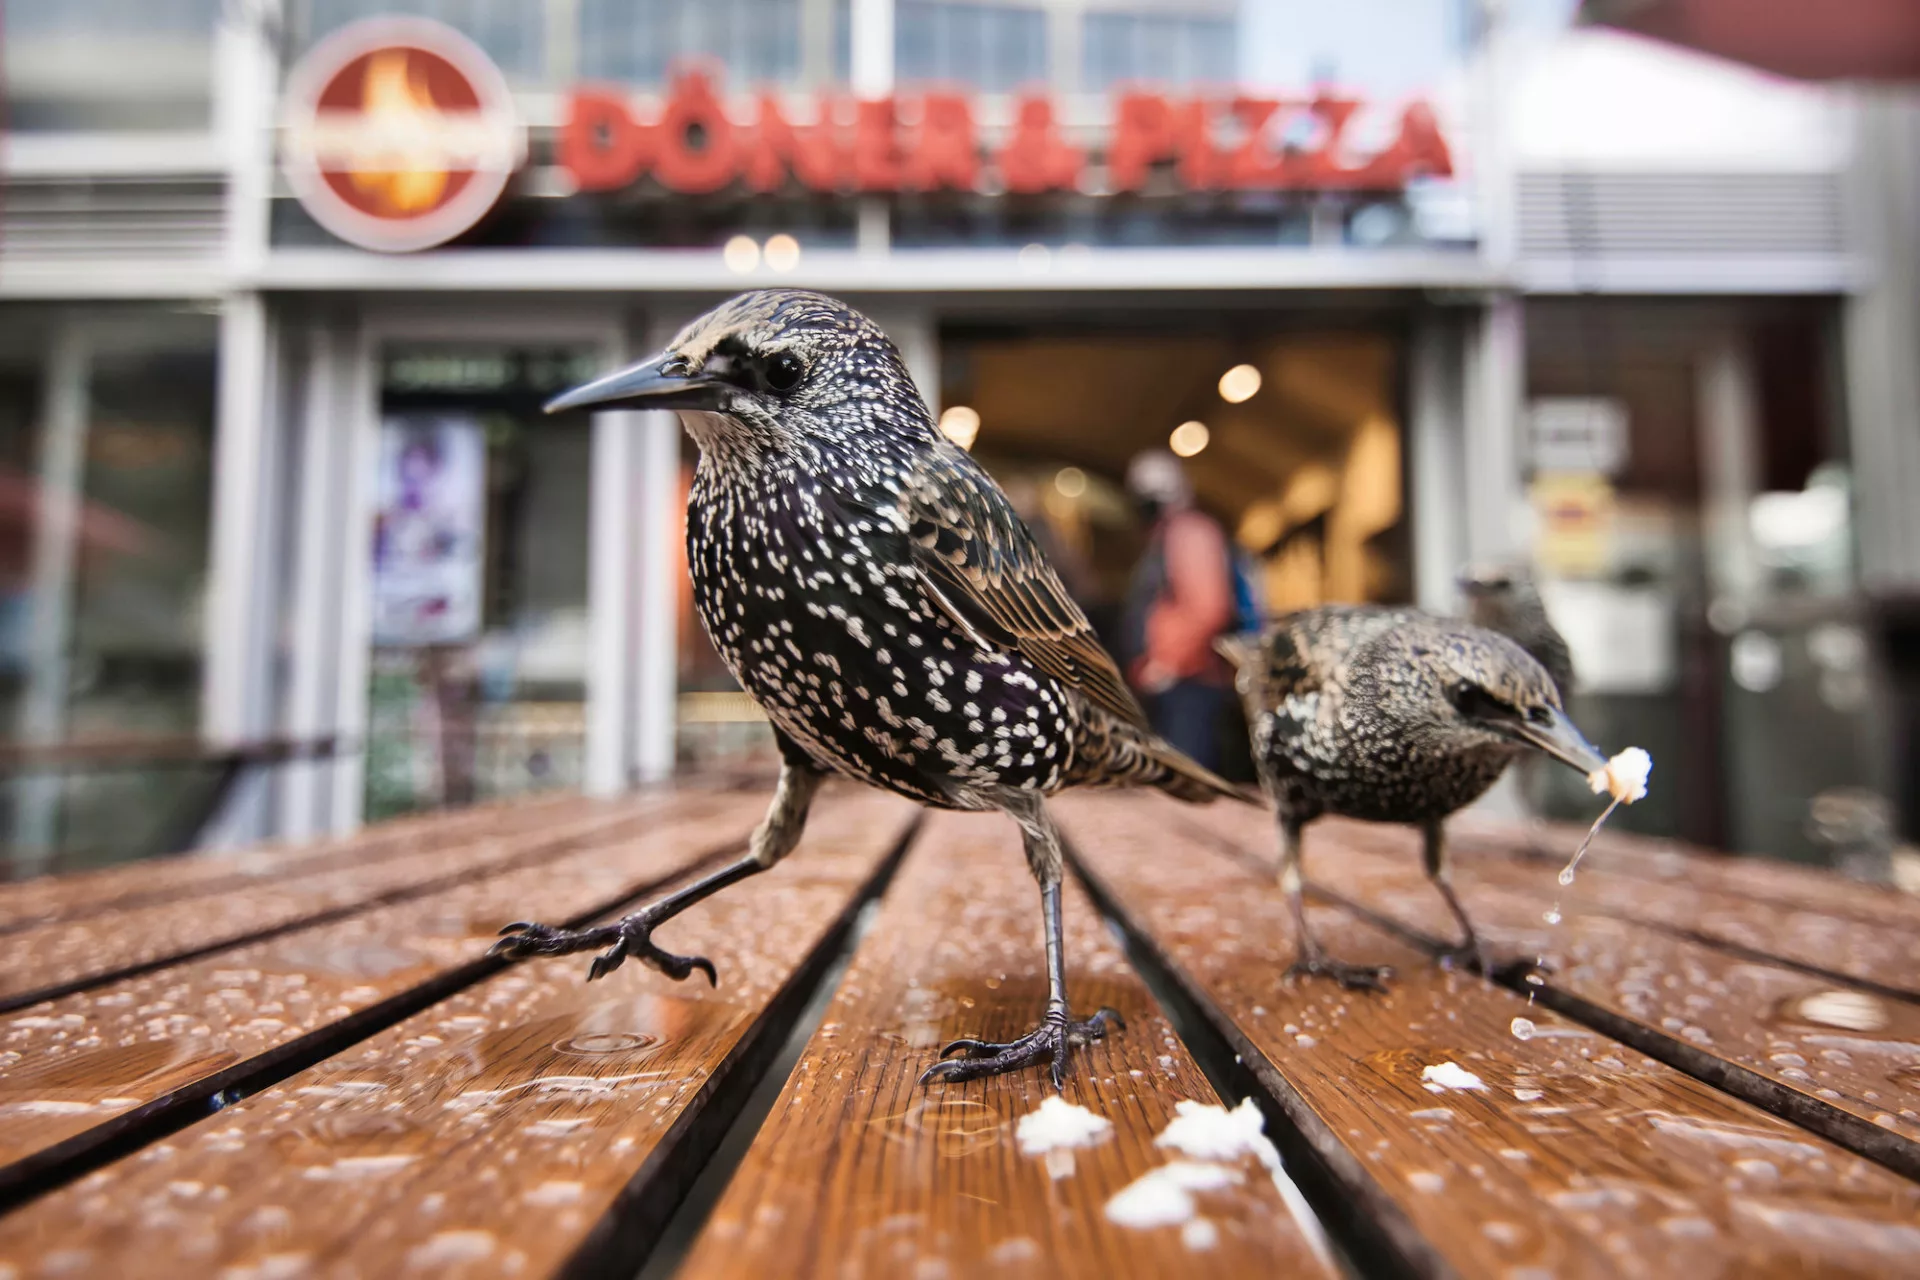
[[871, 587], [1390, 715]]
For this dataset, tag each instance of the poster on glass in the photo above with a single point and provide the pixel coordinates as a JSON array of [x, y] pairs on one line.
[[428, 533]]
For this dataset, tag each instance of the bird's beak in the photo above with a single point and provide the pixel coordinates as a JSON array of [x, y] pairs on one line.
[[1561, 739], [647, 385]]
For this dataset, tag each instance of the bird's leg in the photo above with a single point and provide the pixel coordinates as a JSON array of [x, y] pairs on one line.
[[1470, 951], [631, 936], [1311, 958], [1053, 1040]]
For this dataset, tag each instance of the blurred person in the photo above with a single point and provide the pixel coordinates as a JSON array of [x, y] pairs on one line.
[[1183, 596]]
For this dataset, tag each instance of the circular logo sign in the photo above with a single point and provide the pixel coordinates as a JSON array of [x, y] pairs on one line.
[[398, 134]]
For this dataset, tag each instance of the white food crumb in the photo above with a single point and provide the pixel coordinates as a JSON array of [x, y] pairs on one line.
[[1450, 1075], [1199, 1234], [1214, 1133], [1163, 1197], [1060, 1124], [1624, 777], [1528, 1095]]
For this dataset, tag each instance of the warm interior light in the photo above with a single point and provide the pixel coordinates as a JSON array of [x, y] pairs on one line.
[[1189, 438], [1070, 481], [959, 423], [1239, 384], [782, 252], [741, 255]]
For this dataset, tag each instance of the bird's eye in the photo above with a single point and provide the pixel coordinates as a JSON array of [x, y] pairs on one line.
[[1476, 703], [1540, 715], [784, 370]]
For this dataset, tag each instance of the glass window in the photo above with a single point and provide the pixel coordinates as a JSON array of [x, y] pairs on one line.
[[106, 432], [1122, 48], [513, 35], [987, 47], [1692, 505], [107, 64], [638, 41], [478, 683]]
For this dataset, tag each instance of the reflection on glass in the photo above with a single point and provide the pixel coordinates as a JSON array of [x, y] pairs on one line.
[[107, 64], [478, 683], [106, 425]]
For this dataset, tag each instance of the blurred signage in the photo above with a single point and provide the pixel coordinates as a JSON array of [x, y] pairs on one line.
[[1575, 514], [1578, 433], [428, 531], [398, 133], [694, 142]]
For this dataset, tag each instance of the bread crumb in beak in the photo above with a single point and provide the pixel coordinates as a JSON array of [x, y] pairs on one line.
[[1624, 777]]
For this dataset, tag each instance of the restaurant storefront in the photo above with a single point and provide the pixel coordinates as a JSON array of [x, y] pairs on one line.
[[402, 552]]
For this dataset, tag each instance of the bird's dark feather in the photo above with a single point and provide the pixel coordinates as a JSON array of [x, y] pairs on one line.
[[988, 574]]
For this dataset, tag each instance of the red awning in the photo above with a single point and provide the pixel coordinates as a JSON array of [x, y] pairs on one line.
[[1808, 39]]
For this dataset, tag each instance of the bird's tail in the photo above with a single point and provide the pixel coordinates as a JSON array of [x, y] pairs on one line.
[[1117, 754]]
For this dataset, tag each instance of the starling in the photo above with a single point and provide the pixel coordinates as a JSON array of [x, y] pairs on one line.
[[1390, 715], [873, 590]]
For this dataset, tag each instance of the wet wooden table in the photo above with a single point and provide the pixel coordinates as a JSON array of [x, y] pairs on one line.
[[296, 1062]]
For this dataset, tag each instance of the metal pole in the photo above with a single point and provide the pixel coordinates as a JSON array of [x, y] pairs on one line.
[[43, 711], [319, 492], [614, 560]]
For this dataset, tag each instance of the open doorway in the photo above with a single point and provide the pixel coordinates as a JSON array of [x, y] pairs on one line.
[[1304, 470], [1291, 441]]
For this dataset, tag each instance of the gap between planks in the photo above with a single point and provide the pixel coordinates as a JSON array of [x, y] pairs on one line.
[[1362, 1202], [412, 876], [179, 1105], [281, 1147], [1849, 1102]]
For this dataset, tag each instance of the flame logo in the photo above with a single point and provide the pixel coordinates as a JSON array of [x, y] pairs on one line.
[[398, 102]]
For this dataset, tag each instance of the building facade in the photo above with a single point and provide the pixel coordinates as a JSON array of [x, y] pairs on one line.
[[273, 408]]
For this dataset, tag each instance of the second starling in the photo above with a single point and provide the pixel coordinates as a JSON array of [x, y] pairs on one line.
[[1390, 715], [873, 590]]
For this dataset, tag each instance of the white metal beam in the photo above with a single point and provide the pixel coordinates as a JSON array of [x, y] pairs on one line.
[[1496, 380]]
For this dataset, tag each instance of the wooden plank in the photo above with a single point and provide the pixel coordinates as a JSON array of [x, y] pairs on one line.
[[1576, 1156], [530, 1121], [861, 1171], [1768, 880], [84, 1071], [45, 963], [1839, 1060], [1880, 957], [50, 899]]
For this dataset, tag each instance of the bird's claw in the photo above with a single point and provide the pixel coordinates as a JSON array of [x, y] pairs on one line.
[[1469, 955], [1354, 977], [1053, 1040], [631, 937]]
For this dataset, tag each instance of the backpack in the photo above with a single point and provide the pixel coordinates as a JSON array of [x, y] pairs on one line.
[[1249, 611]]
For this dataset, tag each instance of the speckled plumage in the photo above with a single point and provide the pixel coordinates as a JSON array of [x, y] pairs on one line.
[[871, 587], [1388, 715]]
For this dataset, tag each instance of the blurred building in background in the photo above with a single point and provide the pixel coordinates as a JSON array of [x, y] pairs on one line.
[[1409, 283]]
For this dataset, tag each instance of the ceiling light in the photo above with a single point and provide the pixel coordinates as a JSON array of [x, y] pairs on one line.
[[1237, 385], [959, 423], [741, 255], [782, 252], [1189, 438], [1070, 481]]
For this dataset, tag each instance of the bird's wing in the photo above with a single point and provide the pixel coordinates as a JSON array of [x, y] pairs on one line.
[[1306, 655], [980, 567]]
